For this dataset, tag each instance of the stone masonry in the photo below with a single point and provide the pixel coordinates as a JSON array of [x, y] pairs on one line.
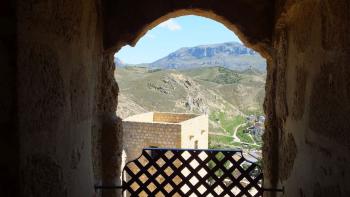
[[163, 130]]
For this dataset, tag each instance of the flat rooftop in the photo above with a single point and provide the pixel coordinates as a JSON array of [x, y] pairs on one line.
[[161, 117]]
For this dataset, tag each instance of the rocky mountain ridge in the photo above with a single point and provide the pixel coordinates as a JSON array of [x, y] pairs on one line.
[[232, 55]]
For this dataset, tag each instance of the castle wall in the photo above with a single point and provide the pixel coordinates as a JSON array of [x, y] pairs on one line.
[[195, 130], [171, 117], [139, 135], [145, 117]]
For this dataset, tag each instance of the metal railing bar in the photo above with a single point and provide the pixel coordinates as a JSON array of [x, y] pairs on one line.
[[189, 149]]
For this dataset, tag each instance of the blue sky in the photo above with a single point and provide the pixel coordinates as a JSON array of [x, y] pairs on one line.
[[185, 31]]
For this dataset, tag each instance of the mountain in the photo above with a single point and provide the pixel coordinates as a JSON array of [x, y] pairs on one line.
[[232, 55], [225, 81]]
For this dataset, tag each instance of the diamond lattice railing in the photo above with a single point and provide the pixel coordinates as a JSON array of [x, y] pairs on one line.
[[192, 172]]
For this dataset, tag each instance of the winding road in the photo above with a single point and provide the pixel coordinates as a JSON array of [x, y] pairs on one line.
[[235, 138]]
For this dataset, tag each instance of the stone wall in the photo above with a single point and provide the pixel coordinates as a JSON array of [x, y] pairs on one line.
[[106, 129], [171, 117], [144, 117], [194, 131], [62, 97], [139, 135], [308, 99]]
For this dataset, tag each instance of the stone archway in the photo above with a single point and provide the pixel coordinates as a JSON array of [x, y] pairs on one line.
[[291, 36], [58, 88], [253, 24], [257, 38]]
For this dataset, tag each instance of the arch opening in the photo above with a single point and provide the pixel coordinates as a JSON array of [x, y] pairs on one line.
[[146, 91], [260, 46]]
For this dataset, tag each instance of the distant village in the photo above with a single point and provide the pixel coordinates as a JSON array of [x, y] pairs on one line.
[[256, 128], [256, 125]]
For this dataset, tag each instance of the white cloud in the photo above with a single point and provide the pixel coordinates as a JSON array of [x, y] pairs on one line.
[[171, 24]]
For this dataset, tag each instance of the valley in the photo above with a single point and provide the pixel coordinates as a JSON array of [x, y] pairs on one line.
[[227, 96], [231, 94]]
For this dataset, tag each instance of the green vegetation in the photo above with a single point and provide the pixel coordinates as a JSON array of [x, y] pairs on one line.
[[220, 139], [222, 142], [256, 112], [244, 137], [227, 122], [219, 75], [250, 146], [225, 76], [154, 70], [258, 140]]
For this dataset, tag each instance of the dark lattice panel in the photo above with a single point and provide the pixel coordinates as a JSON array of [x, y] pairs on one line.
[[194, 172]]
